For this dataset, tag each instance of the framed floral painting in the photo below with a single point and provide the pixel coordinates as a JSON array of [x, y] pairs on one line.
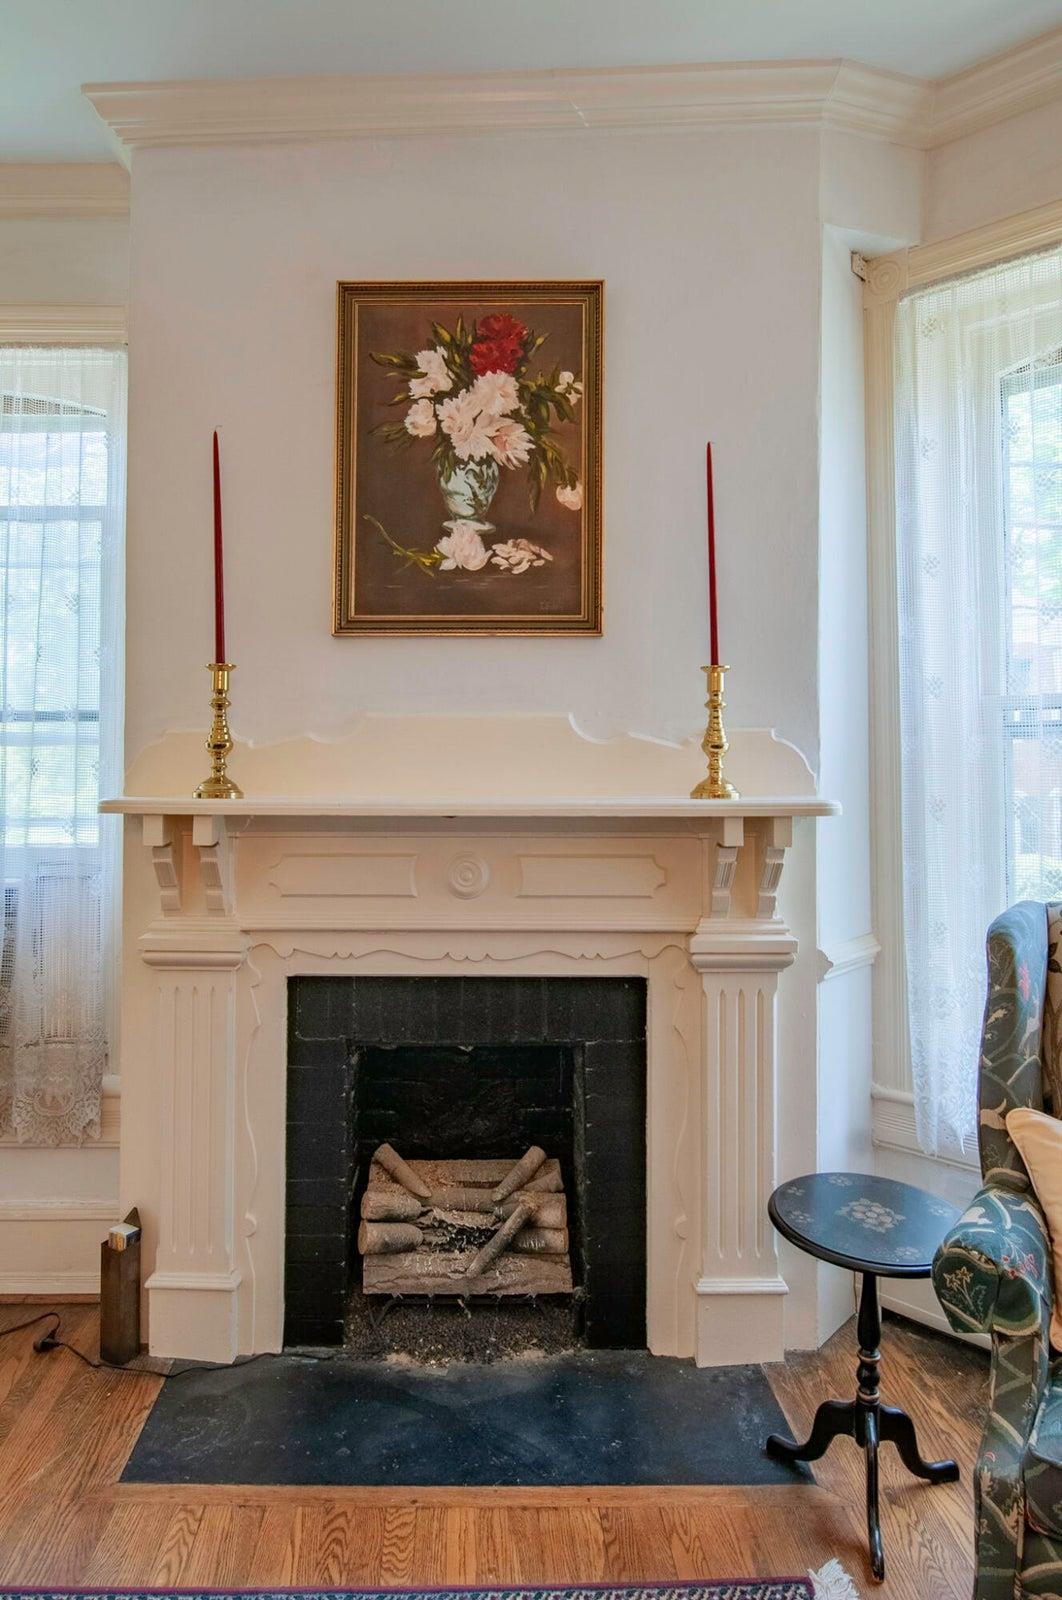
[[468, 458]]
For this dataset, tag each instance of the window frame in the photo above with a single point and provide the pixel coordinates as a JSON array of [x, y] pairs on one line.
[[886, 279]]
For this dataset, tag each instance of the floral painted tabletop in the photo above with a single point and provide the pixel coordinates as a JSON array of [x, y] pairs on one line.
[[863, 1222]]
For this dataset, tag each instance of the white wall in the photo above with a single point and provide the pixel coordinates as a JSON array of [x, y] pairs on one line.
[[63, 262], [1014, 166], [709, 245], [55, 1204]]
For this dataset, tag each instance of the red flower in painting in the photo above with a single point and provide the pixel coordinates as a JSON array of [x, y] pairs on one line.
[[498, 345]]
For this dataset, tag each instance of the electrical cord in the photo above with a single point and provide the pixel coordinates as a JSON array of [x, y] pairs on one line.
[[51, 1341]]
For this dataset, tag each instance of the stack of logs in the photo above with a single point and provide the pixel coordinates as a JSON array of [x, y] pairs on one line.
[[464, 1227]]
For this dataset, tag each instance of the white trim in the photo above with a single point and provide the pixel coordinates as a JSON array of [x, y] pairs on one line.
[[59, 1284], [901, 109], [485, 809], [839, 94], [890, 277], [1003, 86], [894, 1128], [62, 324], [36, 1210], [85, 189], [848, 955], [710, 1286]]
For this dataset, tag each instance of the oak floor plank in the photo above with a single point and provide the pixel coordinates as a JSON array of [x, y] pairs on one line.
[[492, 1544], [636, 1545], [398, 1550], [126, 1549], [552, 1544], [280, 1544]]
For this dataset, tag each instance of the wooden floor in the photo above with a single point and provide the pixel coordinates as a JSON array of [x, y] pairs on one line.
[[65, 1433]]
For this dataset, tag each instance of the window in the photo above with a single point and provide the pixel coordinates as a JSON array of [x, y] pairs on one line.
[[62, 466], [978, 548], [1031, 401], [53, 497]]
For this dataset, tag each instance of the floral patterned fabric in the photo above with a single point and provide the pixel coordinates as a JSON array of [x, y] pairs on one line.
[[993, 1275], [1052, 1046], [1043, 1463], [1012, 1036]]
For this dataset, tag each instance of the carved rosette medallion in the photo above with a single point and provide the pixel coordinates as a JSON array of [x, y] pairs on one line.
[[467, 876]]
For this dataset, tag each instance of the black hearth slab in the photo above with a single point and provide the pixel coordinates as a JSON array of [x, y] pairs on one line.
[[596, 1417]]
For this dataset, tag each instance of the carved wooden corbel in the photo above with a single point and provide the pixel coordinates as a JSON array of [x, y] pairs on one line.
[[159, 839], [777, 837]]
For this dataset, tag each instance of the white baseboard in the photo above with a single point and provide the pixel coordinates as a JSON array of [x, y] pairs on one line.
[[60, 1284], [52, 1246]]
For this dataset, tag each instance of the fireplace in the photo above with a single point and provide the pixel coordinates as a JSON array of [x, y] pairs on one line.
[[272, 933], [467, 1070]]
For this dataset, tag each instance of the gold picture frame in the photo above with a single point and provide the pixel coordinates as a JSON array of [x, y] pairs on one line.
[[468, 458]]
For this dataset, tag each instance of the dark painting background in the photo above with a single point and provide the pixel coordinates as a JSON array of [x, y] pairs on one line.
[[400, 488]]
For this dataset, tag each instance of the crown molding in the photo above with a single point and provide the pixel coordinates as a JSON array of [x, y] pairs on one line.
[[62, 324], [1004, 86], [63, 189], [250, 111], [919, 112]]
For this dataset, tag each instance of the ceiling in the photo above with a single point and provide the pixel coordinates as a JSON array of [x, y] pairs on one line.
[[48, 48]]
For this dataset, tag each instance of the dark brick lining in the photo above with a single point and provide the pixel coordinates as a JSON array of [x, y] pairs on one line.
[[456, 1067]]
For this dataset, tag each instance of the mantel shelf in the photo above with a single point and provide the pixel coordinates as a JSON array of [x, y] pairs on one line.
[[603, 807]]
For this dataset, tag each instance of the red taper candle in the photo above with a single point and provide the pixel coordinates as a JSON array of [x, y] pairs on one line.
[[219, 564], [713, 603]]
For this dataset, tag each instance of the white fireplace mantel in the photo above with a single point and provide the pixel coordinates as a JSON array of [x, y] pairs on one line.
[[607, 809], [226, 901]]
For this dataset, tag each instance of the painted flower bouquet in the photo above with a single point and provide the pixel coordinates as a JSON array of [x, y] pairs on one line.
[[473, 395]]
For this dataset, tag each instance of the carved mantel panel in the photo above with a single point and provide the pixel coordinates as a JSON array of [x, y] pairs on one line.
[[687, 897]]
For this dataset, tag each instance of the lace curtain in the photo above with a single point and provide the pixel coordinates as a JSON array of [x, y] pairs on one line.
[[978, 429], [62, 476]]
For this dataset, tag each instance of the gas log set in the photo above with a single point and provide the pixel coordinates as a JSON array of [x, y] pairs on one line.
[[464, 1228]]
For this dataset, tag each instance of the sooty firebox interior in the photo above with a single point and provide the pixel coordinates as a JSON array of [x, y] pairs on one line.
[[467, 1070]]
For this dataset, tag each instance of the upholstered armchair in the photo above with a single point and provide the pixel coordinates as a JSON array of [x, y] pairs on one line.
[[993, 1271]]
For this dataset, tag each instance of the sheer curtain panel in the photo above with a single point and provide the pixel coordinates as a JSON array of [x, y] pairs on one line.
[[62, 477], [978, 431]]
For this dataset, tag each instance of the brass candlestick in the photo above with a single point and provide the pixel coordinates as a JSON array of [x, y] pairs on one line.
[[219, 786], [715, 743]]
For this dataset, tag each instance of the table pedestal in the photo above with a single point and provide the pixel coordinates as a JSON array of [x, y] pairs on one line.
[[868, 1422]]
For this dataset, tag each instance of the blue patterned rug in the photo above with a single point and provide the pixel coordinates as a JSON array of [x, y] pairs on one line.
[[830, 1583]]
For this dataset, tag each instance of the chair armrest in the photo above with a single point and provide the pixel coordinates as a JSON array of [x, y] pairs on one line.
[[992, 1273]]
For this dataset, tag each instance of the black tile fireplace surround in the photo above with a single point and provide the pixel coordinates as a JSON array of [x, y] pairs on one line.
[[467, 1067]]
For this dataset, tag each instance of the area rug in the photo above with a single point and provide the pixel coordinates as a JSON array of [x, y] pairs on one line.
[[598, 1417], [831, 1582]]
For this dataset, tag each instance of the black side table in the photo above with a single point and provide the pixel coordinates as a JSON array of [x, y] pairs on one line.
[[883, 1230]]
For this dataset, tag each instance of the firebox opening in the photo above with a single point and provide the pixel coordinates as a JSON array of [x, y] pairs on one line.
[[467, 1071]]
